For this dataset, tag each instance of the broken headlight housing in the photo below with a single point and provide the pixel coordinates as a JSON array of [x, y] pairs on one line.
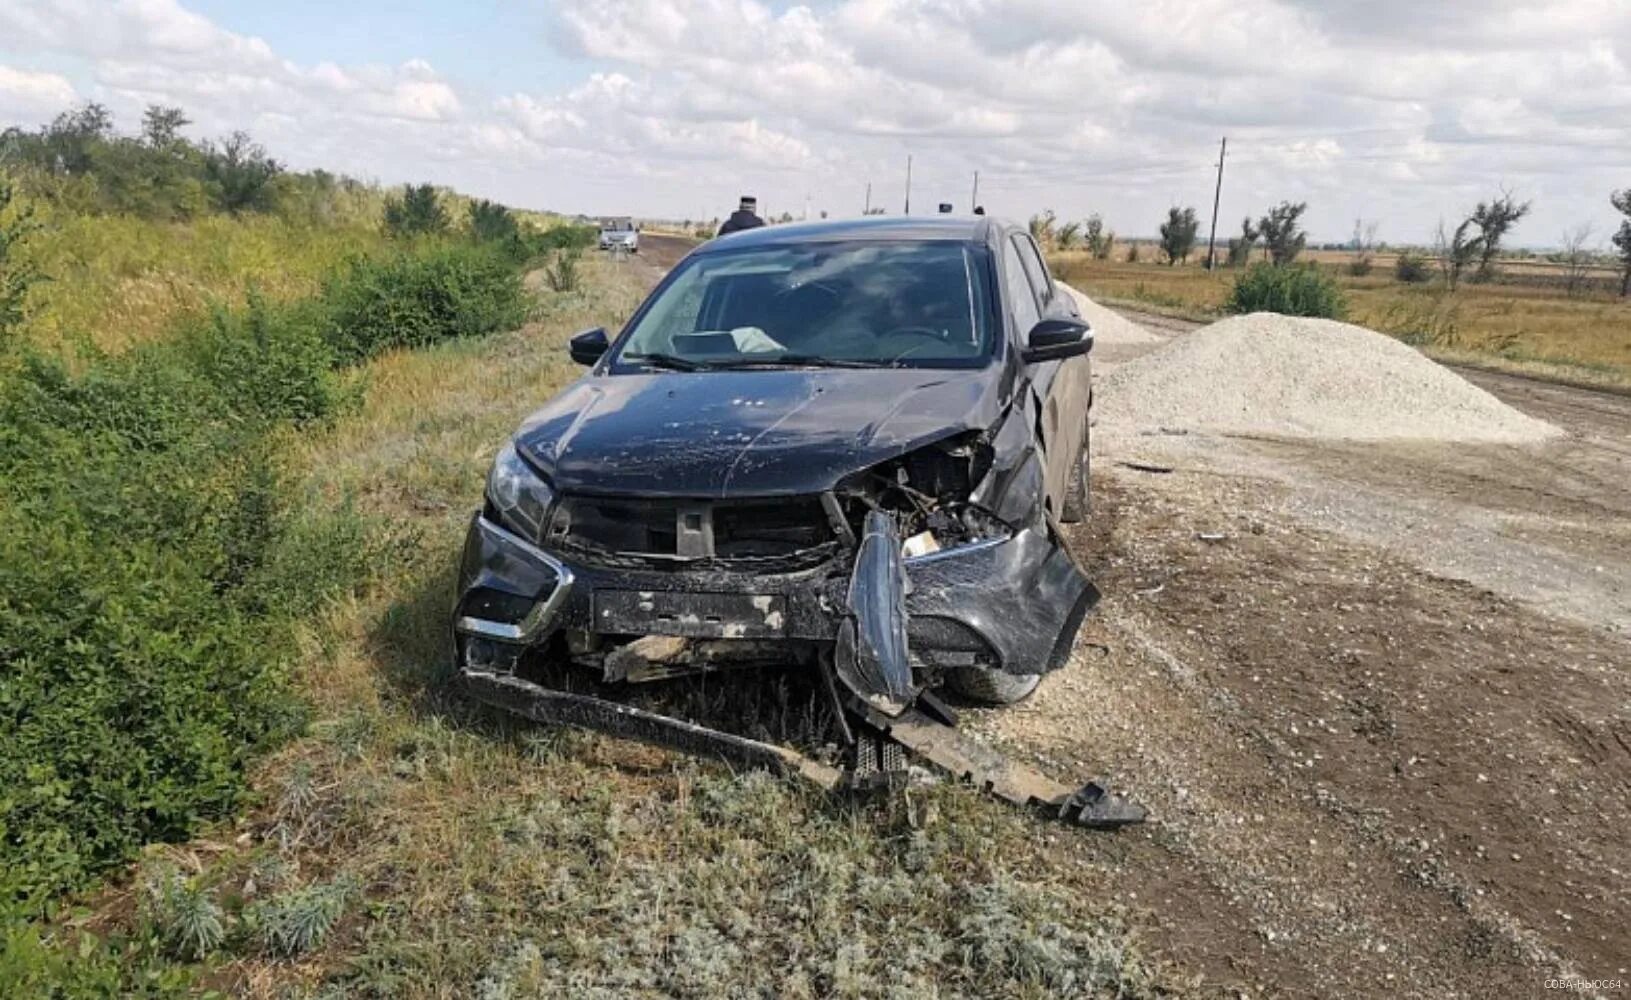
[[518, 497]]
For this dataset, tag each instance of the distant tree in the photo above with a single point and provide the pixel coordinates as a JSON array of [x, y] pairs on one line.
[[161, 126], [1621, 200], [73, 136], [1576, 258], [1178, 234], [1066, 236], [1456, 251], [417, 212], [1240, 247], [491, 222], [1041, 227], [16, 275], [1283, 238], [1494, 219], [1364, 248], [1132, 252], [240, 174], [1099, 242]]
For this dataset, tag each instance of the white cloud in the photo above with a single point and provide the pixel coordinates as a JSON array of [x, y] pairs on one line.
[[1383, 108], [26, 95]]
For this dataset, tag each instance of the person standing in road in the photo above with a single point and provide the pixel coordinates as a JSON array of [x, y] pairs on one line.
[[745, 217]]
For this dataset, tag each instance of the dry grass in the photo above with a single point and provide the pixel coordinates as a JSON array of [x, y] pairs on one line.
[[1531, 327], [472, 855], [119, 280]]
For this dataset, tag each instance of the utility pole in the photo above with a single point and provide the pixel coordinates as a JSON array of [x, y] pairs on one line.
[[868, 209], [974, 199], [908, 183], [1211, 240]]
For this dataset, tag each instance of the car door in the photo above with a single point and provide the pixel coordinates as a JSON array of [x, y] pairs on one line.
[[1064, 389]]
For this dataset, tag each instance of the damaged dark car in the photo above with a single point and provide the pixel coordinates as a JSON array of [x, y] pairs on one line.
[[847, 446]]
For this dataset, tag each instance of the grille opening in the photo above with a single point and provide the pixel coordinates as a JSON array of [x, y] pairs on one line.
[[741, 529]]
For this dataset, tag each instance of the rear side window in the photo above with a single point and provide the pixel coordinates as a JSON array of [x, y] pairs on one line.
[[1034, 269]]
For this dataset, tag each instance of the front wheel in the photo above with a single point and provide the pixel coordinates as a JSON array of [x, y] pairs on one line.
[[992, 687]]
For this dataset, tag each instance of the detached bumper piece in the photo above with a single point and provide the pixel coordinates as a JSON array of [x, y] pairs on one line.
[[566, 708], [878, 764], [1091, 805]]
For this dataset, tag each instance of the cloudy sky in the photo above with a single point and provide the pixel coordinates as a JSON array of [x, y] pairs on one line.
[[1400, 111]]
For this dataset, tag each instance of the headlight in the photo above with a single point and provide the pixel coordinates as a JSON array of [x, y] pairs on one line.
[[518, 495]]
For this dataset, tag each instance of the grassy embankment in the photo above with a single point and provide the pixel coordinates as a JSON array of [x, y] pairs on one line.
[[1522, 322]]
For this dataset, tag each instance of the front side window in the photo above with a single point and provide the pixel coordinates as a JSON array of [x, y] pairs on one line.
[[1021, 297], [850, 304], [1034, 269]]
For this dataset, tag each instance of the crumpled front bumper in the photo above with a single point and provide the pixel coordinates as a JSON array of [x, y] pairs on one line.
[[1013, 604]]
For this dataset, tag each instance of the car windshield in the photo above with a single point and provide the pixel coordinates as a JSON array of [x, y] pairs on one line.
[[617, 226], [859, 304]]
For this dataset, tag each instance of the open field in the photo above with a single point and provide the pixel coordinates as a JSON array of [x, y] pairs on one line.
[[1516, 324]]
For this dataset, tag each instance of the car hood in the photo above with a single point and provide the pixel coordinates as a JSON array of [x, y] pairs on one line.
[[750, 433]]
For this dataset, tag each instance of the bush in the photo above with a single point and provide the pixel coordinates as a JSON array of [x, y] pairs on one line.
[[152, 561], [565, 237], [410, 300], [561, 272], [1412, 268], [1290, 290], [137, 498], [418, 212], [17, 275]]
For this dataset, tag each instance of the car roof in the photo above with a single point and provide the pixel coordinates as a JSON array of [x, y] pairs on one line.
[[965, 228]]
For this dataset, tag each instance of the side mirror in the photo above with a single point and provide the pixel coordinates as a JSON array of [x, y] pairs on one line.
[[587, 347], [1056, 339]]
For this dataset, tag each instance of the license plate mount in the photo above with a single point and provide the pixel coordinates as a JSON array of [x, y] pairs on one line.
[[690, 614]]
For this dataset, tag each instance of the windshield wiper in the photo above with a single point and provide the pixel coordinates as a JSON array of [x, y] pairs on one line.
[[672, 362], [794, 361]]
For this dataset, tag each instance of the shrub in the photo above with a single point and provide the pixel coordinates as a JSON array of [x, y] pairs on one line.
[[409, 300], [1292, 291], [418, 212], [295, 922], [561, 272], [240, 174], [567, 237], [17, 275], [1411, 268], [136, 686], [275, 360], [151, 563], [491, 222]]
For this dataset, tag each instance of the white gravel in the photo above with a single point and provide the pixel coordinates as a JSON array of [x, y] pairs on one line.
[[1282, 376], [1109, 328]]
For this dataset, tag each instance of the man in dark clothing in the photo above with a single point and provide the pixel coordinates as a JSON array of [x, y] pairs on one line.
[[745, 217]]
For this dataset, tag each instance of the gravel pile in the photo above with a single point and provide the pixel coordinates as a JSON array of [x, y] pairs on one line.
[[1109, 328], [1266, 374]]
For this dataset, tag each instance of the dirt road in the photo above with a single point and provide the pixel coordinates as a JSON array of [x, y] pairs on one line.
[[1378, 697]]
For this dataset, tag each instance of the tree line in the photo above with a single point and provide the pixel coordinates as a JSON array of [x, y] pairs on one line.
[[1467, 250]]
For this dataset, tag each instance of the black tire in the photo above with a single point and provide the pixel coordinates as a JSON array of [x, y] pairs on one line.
[[992, 687], [1078, 492]]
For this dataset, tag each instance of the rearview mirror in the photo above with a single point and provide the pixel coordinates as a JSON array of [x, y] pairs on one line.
[[1055, 339], [587, 347]]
